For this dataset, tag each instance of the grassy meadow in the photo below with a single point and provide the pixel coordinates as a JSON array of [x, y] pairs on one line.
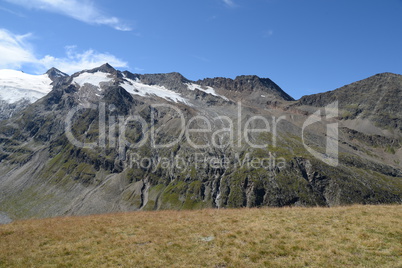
[[356, 236]]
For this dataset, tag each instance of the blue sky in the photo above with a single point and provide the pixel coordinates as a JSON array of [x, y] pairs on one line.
[[305, 46]]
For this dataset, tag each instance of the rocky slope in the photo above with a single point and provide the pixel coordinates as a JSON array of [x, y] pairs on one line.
[[377, 99], [104, 140]]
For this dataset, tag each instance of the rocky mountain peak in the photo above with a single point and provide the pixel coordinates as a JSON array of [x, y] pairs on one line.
[[174, 81], [365, 91], [255, 81], [376, 98], [387, 74], [55, 74], [247, 84], [247, 78], [162, 78], [105, 68]]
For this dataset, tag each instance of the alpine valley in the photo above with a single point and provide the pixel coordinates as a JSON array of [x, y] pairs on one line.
[[103, 141]]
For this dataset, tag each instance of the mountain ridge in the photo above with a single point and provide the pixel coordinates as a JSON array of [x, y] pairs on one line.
[[55, 174], [381, 102]]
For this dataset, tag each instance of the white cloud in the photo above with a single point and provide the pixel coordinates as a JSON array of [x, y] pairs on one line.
[[229, 3], [16, 52], [77, 61], [12, 12], [83, 10]]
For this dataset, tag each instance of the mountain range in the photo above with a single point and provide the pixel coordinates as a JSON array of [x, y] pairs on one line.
[[103, 140]]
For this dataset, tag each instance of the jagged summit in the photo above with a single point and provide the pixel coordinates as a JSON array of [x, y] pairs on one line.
[[106, 68], [55, 74], [249, 78], [244, 84]]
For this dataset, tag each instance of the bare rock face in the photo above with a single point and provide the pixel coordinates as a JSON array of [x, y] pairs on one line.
[[56, 75], [376, 98], [246, 84], [173, 81], [7, 110], [43, 172]]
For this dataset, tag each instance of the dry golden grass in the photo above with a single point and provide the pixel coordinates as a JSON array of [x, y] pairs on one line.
[[357, 236]]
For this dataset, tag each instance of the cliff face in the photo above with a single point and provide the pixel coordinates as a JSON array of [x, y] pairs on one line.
[[104, 141]]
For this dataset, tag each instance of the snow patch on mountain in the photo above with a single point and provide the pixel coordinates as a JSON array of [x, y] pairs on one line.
[[135, 87], [16, 86], [209, 90], [92, 78]]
